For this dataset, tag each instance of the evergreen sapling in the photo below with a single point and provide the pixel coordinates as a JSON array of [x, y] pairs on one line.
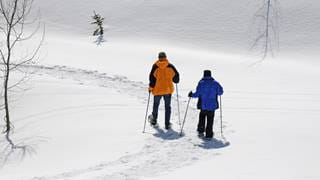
[[98, 20]]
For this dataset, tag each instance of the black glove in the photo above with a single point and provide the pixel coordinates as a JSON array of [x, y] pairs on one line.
[[190, 94]]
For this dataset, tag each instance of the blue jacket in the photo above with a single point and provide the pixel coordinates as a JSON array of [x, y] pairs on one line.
[[208, 91]]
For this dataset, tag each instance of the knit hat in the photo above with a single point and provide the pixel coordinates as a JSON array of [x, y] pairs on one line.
[[206, 73], [162, 55]]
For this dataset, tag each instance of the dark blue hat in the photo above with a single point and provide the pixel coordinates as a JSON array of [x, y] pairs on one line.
[[206, 73]]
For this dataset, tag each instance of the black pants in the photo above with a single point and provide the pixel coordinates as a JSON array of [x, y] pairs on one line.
[[209, 115], [167, 105]]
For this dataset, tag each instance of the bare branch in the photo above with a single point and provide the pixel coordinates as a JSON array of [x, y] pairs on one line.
[[2, 57], [261, 36], [25, 78], [14, 14], [3, 12], [268, 16]]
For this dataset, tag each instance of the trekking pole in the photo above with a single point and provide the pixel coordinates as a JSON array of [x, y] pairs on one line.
[[178, 104], [185, 115], [145, 120], [221, 128]]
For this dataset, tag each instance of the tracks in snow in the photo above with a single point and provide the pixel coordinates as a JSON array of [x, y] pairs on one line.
[[163, 150]]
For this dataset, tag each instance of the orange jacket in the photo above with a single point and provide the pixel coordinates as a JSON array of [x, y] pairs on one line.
[[161, 78]]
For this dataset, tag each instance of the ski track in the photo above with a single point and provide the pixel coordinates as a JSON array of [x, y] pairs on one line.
[[163, 151]]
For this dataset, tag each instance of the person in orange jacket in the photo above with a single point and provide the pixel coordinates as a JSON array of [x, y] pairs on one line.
[[161, 79]]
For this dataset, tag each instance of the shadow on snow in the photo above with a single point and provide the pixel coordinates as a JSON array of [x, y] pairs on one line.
[[167, 134], [205, 143], [213, 144]]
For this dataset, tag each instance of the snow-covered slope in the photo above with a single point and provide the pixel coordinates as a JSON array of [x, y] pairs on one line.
[[215, 25], [270, 119], [85, 107]]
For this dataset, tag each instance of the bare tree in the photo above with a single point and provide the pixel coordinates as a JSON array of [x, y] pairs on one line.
[[266, 27], [14, 19]]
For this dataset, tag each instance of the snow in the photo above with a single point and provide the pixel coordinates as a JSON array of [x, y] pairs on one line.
[[223, 26], [85, 107], [58, 106]]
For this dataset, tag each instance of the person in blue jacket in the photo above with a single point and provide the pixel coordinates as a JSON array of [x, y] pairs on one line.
[[207, 91]]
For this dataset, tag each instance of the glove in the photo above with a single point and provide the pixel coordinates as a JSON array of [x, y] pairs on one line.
[[190, 94], [150, 89]]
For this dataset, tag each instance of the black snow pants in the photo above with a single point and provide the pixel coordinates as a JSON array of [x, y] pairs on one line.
[[203, 126]]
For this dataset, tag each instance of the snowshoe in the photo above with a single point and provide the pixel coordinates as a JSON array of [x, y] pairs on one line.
[[153, 122], [168, 127], [206, 138], [209, 138], [200, 134]]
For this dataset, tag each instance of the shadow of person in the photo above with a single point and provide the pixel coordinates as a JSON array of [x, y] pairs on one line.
[[166, 134], [213, 144]]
